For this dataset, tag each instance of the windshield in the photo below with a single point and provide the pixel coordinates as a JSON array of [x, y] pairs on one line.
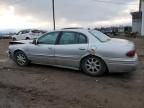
[[99, 35]]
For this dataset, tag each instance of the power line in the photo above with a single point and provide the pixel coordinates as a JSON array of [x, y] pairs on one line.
[[113, 2]]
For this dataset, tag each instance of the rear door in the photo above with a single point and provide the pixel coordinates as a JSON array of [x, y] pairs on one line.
[[70, 48]]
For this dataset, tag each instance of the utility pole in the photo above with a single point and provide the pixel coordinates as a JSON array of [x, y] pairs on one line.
[[53, 8], [140, 3]]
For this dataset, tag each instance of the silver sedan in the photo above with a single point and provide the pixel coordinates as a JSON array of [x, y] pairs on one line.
[[88, 50]]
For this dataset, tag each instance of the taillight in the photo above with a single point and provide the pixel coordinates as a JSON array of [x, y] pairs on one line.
[[131, 53]]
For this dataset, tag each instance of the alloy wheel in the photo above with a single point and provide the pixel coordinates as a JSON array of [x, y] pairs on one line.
[[93, 65]]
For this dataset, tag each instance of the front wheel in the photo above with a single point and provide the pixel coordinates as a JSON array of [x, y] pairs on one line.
[[27, 38], [14, 39], [21, 58], [93, 66]]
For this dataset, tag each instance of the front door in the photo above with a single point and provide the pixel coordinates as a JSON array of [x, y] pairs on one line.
[[43, 51]]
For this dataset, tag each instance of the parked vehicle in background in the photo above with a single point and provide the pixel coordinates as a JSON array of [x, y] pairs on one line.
[[6, 36], [28, 34], [89, 50], [1, 37]]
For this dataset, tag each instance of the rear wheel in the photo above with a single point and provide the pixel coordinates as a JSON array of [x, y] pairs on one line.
[[21, 58], [93, 66]]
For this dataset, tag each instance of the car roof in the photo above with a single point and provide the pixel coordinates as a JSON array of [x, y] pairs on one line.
[[81, 30], [30, 30]]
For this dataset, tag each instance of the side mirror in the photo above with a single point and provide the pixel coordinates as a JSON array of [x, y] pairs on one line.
[[35, 42]]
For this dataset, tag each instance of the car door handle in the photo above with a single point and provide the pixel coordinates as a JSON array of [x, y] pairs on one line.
[[82, 49]]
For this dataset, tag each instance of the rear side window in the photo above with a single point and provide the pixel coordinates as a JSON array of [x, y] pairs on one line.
[[68, 38], [72, 38], [82, 39]]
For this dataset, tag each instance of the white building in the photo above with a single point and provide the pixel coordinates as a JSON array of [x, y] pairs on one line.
[[138, 19]]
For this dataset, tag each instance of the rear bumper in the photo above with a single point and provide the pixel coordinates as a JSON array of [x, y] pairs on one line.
[[123, 65], [119, 67]]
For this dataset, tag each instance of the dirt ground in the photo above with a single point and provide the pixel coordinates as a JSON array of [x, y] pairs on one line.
[[39, 86]]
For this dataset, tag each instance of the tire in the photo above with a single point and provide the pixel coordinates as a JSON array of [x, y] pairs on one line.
[[21, 59], [14, 39], [93, 66], [27, 38]]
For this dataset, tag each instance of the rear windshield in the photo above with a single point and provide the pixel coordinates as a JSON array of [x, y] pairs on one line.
[[100, 36]]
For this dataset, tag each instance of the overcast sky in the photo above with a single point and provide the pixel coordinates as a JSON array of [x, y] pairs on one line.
[[21, 14]]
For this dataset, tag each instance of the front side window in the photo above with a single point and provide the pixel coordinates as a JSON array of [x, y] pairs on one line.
[[18, 33], [49, 38], [72, 38], [25, 31]]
